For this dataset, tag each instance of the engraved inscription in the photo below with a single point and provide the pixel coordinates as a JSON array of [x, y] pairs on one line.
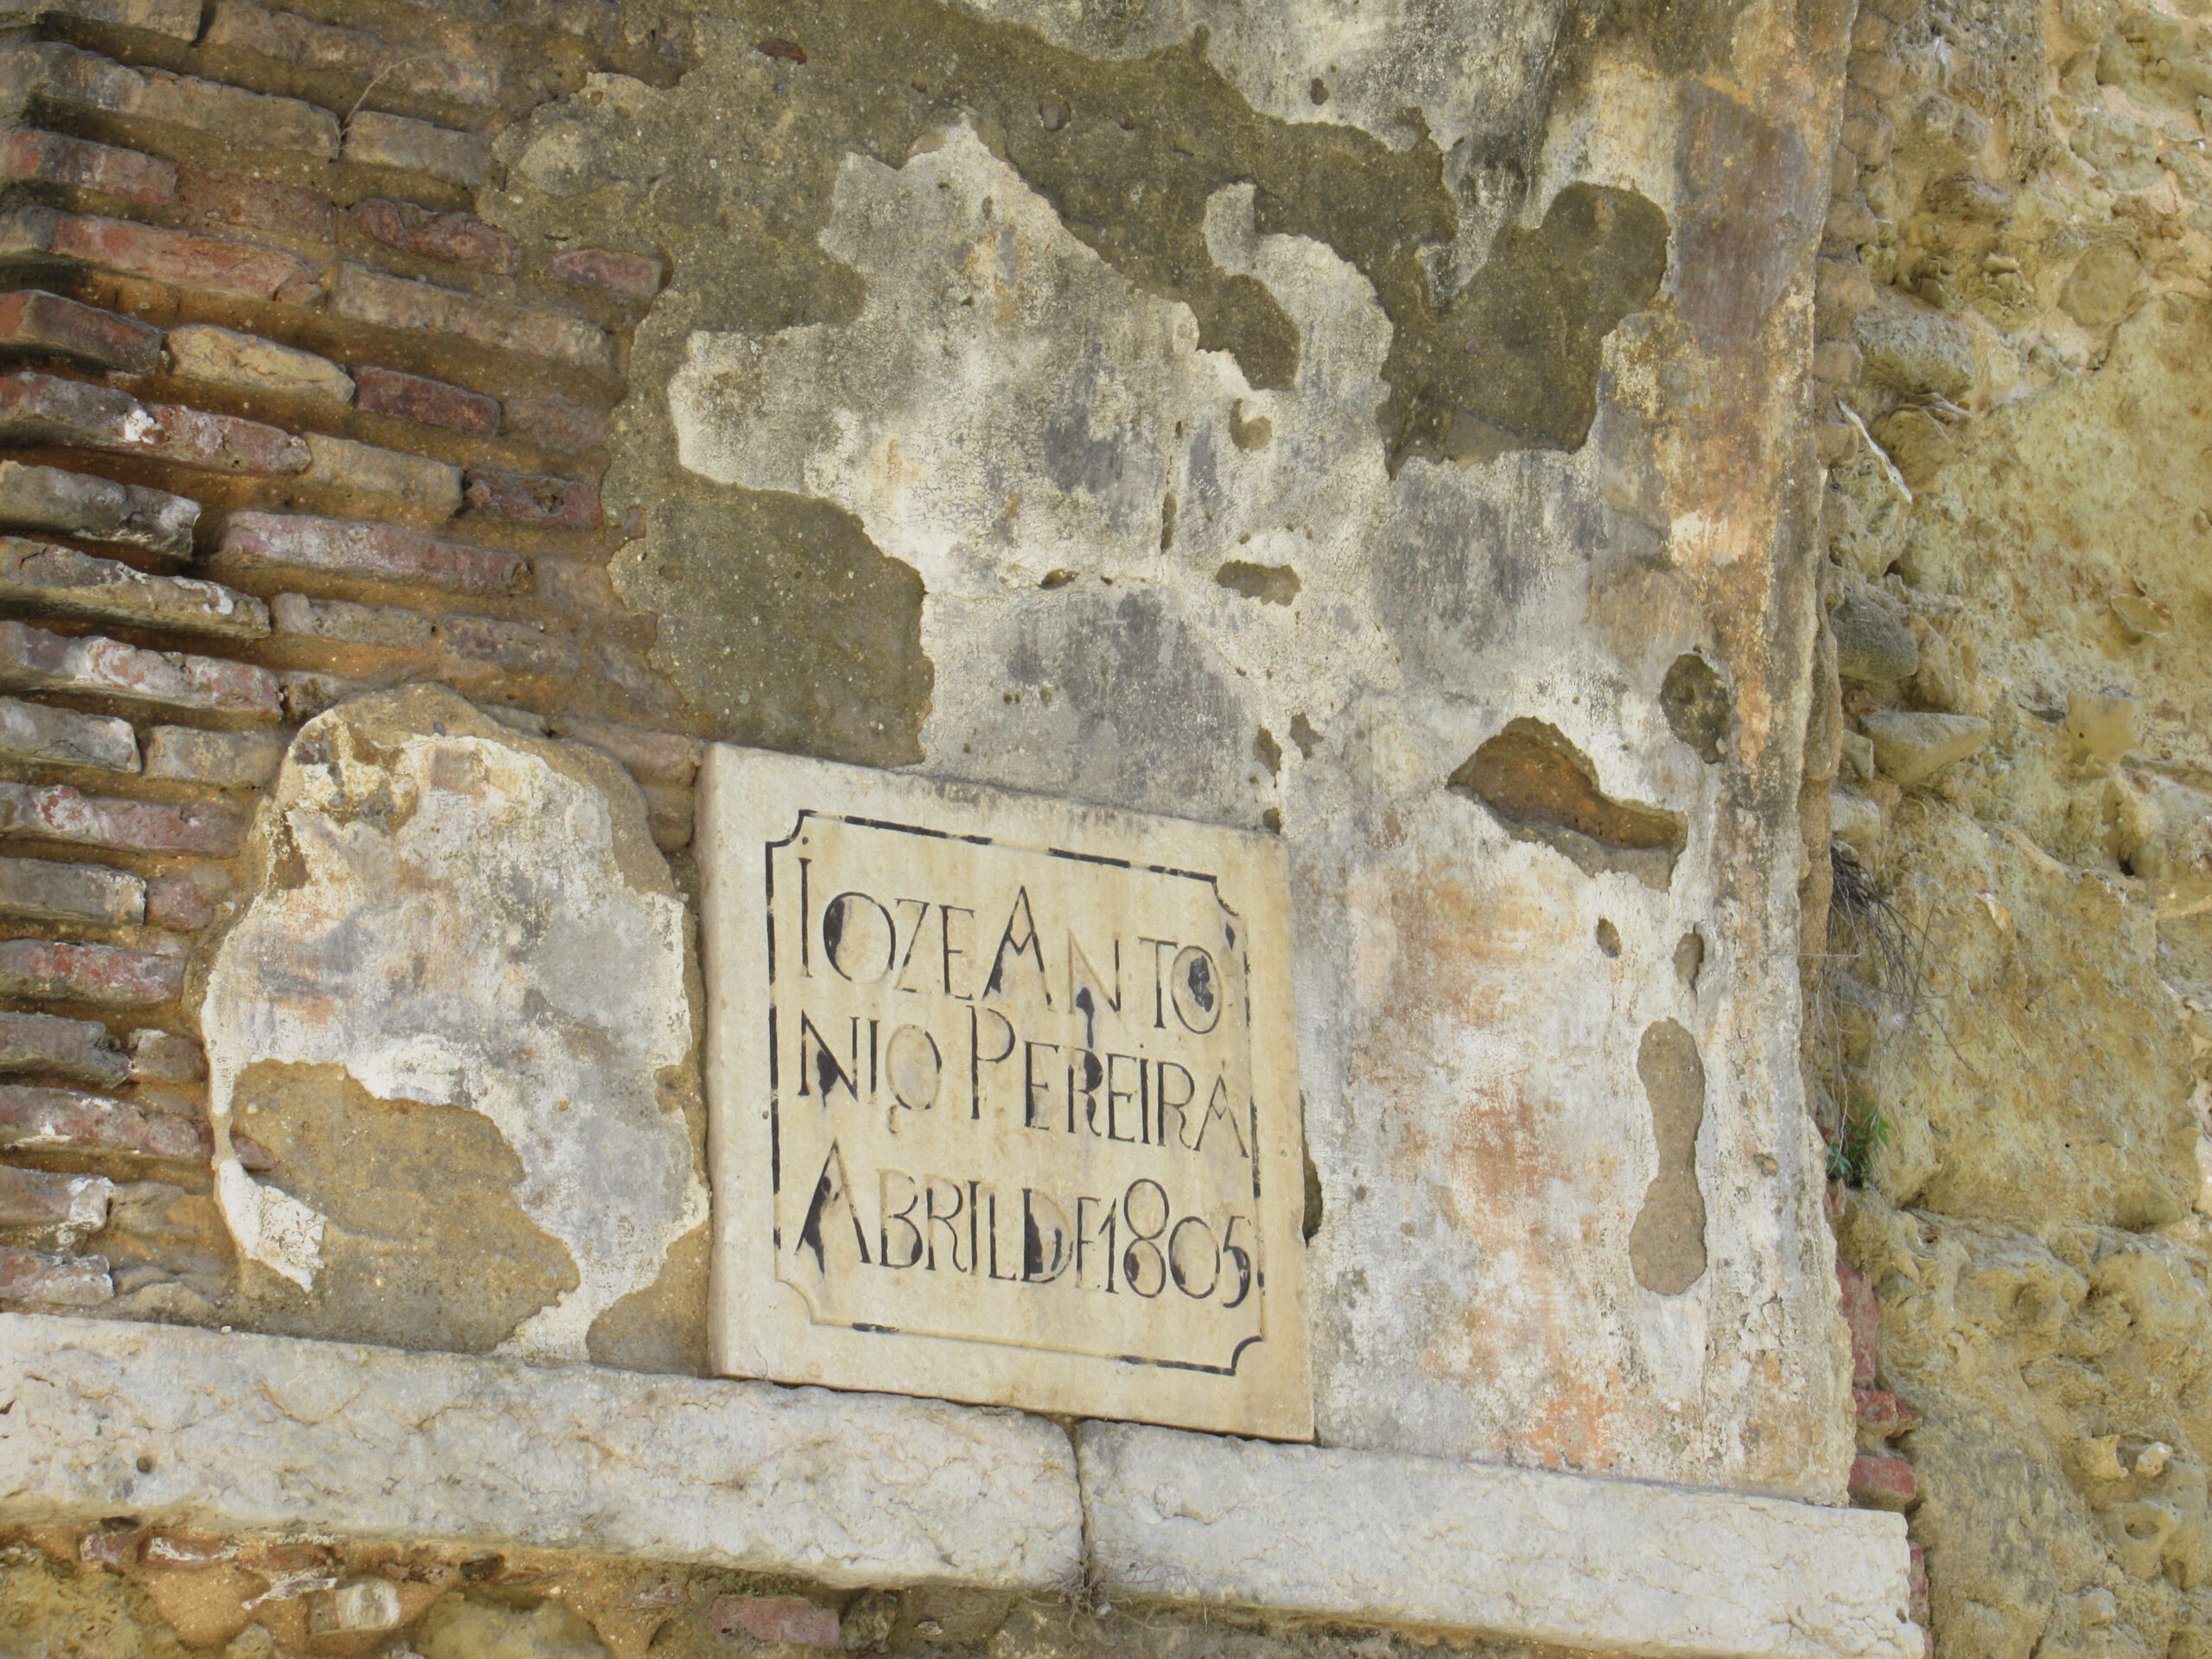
[[1002, 1098], [1011, 1095]]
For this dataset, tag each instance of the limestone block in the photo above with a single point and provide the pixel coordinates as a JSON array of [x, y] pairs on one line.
[[453, 1012], [261, 1433], [1517, 1553], [1911, 748]]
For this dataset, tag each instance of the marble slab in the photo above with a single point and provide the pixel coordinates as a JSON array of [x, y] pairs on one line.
[[1004, 1099]]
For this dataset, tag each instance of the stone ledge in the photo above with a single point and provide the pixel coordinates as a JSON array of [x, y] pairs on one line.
[[269, 1434], [249, 1434], [1560, 1559]]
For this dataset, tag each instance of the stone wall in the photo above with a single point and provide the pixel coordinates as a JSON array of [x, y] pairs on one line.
[[426, 426], [2007, 1020]]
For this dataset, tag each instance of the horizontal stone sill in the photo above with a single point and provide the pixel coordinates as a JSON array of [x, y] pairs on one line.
[[237, 1433]]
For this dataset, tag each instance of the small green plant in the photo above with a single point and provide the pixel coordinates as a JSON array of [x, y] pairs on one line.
[[1851, 1155]]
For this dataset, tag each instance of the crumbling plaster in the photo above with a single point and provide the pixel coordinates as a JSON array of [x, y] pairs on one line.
[[912, 352]]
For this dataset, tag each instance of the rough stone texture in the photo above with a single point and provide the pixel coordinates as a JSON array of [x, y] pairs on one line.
[[260, 1433], [33, 323], [437, 901], [1545, 1557], [225, 760]]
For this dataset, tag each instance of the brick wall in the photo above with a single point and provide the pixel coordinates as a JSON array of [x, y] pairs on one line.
[[283, 420]]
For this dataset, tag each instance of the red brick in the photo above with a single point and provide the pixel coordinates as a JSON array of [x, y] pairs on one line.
[[1882, 1414], [106, 975], [80, 164], [345, 623], [450, 238], [42, 408], [187, 901], [45, 1280], [31, 659], [1882, 1480], [59, 812], [179, 257], [630, 275], [31, 1198], [62, 737], [774, 1618], [80, 1050], [49, 890], [178, 19], [189, 1552], [61, 580], [390, 551], [34, 320], [364, 469], [650, 757], [557, 423], [1863, 1317], [92, 509], [112, 1546], [62, 76], [388, 301], [514, 647], [286, 38], [219, 198], [223, 759], [61, 1120], [374, 139], [387, 391], [164, 1057], [533, 499]]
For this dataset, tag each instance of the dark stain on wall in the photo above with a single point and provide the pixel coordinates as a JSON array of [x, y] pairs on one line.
[[1543, 789], [1667, 1245], [1698, 707]]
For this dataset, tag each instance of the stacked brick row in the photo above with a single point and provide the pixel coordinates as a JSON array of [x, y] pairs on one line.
[[281, 421], [1881, 1476]]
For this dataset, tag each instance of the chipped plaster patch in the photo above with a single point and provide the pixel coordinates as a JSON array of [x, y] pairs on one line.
[[448, 919]]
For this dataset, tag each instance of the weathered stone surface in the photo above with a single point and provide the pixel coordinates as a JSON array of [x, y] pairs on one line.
[[1088, 972], [1911, 747], [43, 1044], [223, 357], [269, 1434], [286, 37], [49, 891], [462, 1629], [225, 760], [1870, 645], [775, 1618], [215, 196], [1911, 349], [164, 1057], [62, 581], [96, 510], [1507, 1552], [35, 322], [393, 551], [984, 429], [32, 659], [37, 408], [466, 983], [60, 737]]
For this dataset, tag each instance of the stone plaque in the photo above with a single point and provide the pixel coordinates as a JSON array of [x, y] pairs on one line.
[[1004, 1099]]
